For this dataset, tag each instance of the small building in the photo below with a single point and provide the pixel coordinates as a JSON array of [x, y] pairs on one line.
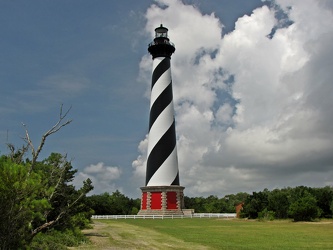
[[239, 208]]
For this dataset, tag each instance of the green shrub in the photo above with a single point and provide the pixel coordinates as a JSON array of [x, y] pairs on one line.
[[82, 220], [304, 209], [266, 215], [57, 240]]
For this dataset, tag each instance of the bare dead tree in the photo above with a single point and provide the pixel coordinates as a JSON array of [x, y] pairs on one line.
[[58, 200], [56, 127], [16, 155]]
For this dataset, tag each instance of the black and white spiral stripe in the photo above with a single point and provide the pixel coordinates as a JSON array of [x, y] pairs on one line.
[[162, 162]]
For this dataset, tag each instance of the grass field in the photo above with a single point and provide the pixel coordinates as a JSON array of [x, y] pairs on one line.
[[210, 234]]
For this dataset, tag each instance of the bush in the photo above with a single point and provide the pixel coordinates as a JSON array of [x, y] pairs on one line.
[[57, 240], [304, 209], [134, 211], [82, 220], [266, 215]]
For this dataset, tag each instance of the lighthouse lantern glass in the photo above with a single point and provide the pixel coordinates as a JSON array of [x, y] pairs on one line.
[[161, 32]]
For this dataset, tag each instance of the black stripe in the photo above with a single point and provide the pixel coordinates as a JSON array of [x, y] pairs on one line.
[[163, 66], [176, 180], [162, 101], [161, 151]]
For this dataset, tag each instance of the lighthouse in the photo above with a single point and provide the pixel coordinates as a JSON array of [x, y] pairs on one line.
[[162, 193]]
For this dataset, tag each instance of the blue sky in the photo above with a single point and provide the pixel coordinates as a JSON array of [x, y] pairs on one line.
[[269, 126]]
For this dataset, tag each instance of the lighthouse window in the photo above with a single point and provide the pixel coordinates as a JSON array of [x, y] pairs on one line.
[[164, 34]]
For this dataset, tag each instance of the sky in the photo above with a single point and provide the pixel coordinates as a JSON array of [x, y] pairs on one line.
[[252, 83]]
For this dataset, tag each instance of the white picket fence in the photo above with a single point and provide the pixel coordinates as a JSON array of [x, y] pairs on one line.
[[195, 215]]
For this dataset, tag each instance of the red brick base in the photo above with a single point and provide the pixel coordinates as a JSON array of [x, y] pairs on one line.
[[162, 200]]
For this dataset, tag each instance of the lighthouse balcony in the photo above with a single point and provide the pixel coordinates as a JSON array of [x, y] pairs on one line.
[[161, 49], [161, 42]]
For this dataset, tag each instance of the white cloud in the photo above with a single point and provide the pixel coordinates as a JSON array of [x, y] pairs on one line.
[[224, 114], [139, 164], [103, 177], [104, 172], [272, 125]]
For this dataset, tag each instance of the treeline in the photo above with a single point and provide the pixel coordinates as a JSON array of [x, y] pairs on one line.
[[299, 203], [213, 204], [115, 204], [119, 204]]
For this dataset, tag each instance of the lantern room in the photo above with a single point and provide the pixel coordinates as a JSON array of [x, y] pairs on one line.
[[161, 32], [161, 46]]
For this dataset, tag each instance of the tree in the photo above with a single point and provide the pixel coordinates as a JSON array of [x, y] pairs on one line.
[[196, 203], [36, 195], [324, 198], [278, 203], [233, 200], [255, 203], [135, 204], [116, 204], [63, 197], [212, 204], [305, 208], [19, 203]]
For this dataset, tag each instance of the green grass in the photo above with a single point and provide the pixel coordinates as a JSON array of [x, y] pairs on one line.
[[240, 234]]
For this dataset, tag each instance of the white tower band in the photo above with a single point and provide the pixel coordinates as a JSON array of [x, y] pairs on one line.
[[162, 193]]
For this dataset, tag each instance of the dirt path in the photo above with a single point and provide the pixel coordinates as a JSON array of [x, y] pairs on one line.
[[113, 236]]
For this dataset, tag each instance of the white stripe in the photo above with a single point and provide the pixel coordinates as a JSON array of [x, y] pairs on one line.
[[160, 126], [157, 61], [167, 172], [159, 86]]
